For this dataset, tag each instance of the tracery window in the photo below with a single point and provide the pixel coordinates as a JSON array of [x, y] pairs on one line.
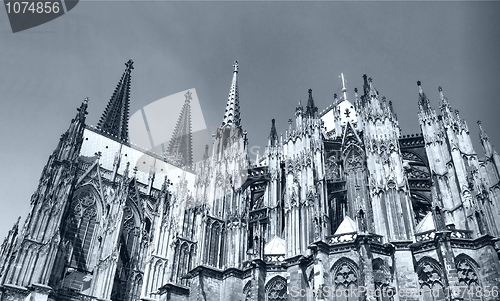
[[129, 230], [354, 159], [382, 279], [345, 280], [123, 281], [183, 255], [332, 170], [81, 229], [247, 291], [276, 289], [430, 279], [214, 243], [467, 278]]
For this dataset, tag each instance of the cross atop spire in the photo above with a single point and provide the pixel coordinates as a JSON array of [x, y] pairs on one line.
[[232, 113], [180, 150], [188, 96], [114, 120]]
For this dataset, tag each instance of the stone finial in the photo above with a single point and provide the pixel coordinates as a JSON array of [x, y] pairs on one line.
[[130, 65]]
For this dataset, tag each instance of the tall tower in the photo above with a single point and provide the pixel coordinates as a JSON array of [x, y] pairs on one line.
[[33, 256], [392, 209], [304, 196], [222, 236], [228, 166]]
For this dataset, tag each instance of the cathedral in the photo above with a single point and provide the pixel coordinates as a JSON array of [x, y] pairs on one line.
[[340, 206]]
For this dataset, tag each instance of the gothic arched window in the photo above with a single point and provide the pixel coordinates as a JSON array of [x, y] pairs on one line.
[[81, 229], [345, 280], [332, 170], [276, 289], [354, 159], [136, 287], [247, 291], [382, 279], [430, 277], [467, 278], [182, 261], [123, 280], [216, 243], [129, 231]]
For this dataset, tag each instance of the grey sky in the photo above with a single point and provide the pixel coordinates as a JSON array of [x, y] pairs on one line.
[[284, 48]]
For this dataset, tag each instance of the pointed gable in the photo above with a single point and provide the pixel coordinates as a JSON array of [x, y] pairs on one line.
[[426, 224], [346, 226], [350, 136], [275, 247]]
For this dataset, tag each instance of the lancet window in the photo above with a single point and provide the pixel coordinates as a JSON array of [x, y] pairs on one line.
[[81, 229]]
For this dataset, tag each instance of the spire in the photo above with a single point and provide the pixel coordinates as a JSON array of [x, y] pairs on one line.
[[232, 113], [485, 141], [82, 110], [373, 91], [114, 120], [482, 132], [71, 141], [443, 99], [344, 90], [447, 111], [273, 136], [299, 109], [180, 147], [356, 98], [366, 85], [205, 155], [368, 89], [311, 109], [423, 101]]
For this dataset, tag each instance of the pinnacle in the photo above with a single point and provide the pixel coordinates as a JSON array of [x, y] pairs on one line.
[[273, 136], [423, 101], [482, 132]]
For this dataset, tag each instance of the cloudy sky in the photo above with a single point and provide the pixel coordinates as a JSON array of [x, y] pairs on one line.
[[284, 48]]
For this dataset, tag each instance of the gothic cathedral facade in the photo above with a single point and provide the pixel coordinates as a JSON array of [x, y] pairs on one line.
[[340, 206]]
